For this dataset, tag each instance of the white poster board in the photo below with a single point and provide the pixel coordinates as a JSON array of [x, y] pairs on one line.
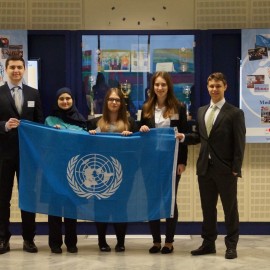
[[255, 84], [33, 73]]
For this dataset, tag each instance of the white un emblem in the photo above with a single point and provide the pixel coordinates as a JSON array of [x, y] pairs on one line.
[[94, 175]]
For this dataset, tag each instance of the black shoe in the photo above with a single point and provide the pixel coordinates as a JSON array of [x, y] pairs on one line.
[[155, 249], [4, 246], [105, 248], [72, 249], [231, 253], [166, 250], [56, 250], [120, 248], [29, 246], [203, 250]]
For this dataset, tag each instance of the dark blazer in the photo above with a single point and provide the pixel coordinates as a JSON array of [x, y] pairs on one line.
[[31, 110], [92, 124], [226, 141], [181, 125]]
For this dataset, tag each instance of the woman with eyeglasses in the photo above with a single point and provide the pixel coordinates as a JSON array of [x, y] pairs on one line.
[[114, 119], [64, 115], [162, 110]]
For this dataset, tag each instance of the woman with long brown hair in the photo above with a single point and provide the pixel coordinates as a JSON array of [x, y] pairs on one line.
[[162, 110]]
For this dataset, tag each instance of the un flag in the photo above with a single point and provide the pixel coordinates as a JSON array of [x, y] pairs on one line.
[[103, 177]]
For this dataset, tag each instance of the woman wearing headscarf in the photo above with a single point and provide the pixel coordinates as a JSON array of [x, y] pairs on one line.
[[65, 115]]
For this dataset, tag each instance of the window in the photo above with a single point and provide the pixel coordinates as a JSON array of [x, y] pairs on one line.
[[128, 61]]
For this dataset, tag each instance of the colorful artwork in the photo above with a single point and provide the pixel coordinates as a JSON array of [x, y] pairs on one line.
[[86, 60], [173, 60], [115, 61]]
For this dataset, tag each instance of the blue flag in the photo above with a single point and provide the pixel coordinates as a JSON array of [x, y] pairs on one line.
[[262, 41], [103, 177]]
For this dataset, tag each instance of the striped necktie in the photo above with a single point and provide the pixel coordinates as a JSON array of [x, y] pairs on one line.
[[17, 99]]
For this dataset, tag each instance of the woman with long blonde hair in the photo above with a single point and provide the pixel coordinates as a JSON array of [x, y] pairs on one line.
[[114, 119], [114, 115]]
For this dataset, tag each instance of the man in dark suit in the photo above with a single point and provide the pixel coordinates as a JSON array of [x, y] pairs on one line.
[[219, 164], [27, 106]]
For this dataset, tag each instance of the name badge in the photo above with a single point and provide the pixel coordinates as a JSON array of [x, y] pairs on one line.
[[31, 104], [175, 116]]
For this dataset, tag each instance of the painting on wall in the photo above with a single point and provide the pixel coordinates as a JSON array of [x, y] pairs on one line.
[[173, 60], [115, 61]]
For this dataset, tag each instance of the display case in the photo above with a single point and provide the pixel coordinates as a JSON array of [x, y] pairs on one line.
[[128, 62]]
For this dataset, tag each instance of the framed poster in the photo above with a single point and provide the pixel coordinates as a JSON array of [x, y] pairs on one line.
[[12, 42], [140, 59], [255, 84]]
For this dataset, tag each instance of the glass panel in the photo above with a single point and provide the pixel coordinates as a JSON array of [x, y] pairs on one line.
[[89, 68], [128, 61], [175, 54], [119, 62]]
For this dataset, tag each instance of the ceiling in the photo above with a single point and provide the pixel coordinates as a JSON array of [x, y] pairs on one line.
[[139, 14]]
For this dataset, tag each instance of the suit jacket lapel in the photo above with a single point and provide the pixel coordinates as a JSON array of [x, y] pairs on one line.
[[25, 98], [221, 114], [201, 120], [9, 97]]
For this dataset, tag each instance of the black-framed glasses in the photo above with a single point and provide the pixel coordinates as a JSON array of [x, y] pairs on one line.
[[117, 100]]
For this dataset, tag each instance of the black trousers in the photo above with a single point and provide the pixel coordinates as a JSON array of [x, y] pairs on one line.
[[55, 231], [120, 231], [8, 168], [170, 222], [225, 185]]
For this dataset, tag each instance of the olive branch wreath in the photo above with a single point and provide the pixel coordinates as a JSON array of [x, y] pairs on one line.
[[80, 192]]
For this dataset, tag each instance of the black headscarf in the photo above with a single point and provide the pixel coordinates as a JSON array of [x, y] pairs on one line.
[[70, 116]]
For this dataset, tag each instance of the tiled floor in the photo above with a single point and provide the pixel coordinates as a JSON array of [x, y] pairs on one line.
[[253, 253]]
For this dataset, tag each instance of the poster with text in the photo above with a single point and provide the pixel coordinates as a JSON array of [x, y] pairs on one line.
[[12, 42], [255, 84]]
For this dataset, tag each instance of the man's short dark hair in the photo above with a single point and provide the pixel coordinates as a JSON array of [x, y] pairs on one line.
[[14, 58]]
